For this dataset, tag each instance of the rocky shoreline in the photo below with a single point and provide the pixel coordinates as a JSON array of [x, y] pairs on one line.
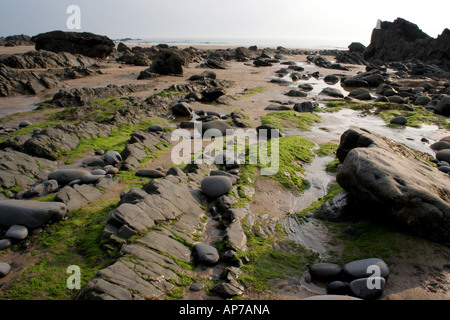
[[199, 231]]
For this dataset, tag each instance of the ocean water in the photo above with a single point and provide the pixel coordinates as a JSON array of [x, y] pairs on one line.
[[339, 44]]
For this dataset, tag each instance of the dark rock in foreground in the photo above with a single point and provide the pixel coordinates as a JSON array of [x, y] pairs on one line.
[[399, 187]]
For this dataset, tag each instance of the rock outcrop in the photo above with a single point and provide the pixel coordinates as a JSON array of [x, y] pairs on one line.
[[388, 178], [85, 43], [402, 40]]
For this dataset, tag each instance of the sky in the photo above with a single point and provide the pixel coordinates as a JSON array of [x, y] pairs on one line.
[[333, 21]]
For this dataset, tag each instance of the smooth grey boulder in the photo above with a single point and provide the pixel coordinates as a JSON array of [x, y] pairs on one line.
[[31, 214], [149, 173], [5, 244], [359, 268], [296, 93], [98, 172], [112, 157], [155, 128], [337, 287], [362, 288], [443, 155], [4, 269], [325, 272], [440, 145], [422, 100], [216, 128], [401, 120], [181, 109], [398, 185], [17, 232], [360, 94], [443, 107], [216, 186], [65, 176], [91, 178], [332, 92], [206, 254]]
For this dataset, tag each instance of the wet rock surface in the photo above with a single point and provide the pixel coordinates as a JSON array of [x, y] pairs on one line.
[[409, 190]]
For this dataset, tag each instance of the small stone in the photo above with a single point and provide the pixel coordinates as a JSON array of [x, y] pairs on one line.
[[90, 178], [98, 172], [367, 288], [337, 287], [399, 120], [17, 232], [155, 128], [5, 244], [196, 287], [206, 254], [4, 269], [445, 169], [112, 157], [24, 124]]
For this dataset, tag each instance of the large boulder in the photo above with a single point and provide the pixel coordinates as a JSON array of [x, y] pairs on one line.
[[28, 213], [396, 186], [216, 186], [85, 43], [65, 176], [402, 40], [443, 107], [169, 61]]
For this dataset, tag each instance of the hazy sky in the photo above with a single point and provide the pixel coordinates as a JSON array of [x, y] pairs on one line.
[[349, 20]]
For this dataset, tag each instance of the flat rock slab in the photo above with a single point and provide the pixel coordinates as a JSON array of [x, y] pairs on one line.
[[31, 214], [164, 243]]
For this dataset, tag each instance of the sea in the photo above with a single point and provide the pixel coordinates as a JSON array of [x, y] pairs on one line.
[[320, 44]]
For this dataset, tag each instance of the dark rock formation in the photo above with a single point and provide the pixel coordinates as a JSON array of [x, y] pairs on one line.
[[402, 40], [395, 186], [85, 43], [16, 40], [170, 62]]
